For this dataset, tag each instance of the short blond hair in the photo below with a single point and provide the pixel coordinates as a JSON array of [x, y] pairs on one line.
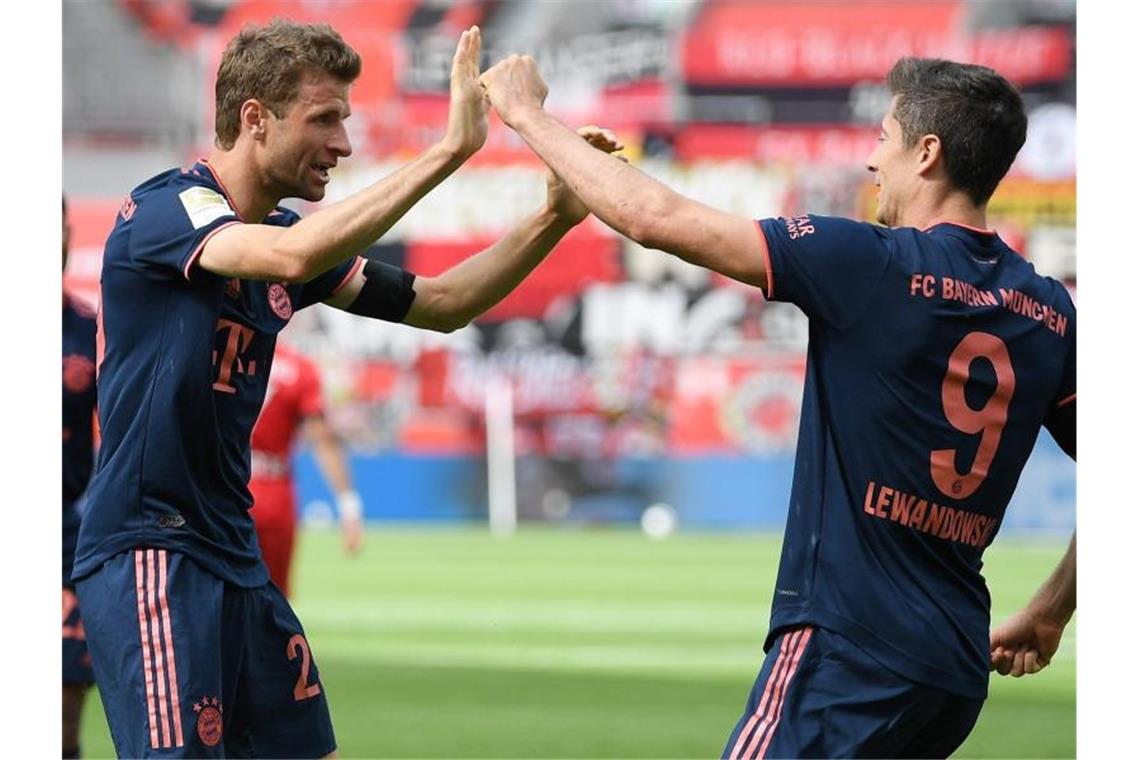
[[266, 63]]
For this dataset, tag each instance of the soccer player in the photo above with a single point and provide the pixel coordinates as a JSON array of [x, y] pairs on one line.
[[78, 459], [195, 652], [936, 353], [293, 403]]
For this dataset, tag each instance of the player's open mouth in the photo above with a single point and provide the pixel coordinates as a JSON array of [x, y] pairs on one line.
[[322, 170]]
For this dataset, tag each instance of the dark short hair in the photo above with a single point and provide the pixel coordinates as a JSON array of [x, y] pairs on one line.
[[266, 63], [975, 112]]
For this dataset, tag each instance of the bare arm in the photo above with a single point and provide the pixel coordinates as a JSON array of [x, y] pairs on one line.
[[1026, 642], [452, 299], [335, 233], [469, 288], [329, 236], [623, 197], [331, 459]]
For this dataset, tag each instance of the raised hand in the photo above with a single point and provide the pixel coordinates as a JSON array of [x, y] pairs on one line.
[[559, 197], [513, 85], [467, 116]]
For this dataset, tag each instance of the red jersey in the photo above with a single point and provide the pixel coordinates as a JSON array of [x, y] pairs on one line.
[[294, 393]]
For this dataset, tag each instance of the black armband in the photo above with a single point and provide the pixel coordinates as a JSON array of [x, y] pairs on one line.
[[387, 292]]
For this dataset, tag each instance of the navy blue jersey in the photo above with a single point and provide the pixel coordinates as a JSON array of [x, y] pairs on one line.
[[934, 358], [185, 357], [78, 416]]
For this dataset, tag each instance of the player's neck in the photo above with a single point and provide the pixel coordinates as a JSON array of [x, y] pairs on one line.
[[955, 208], [242, 184]]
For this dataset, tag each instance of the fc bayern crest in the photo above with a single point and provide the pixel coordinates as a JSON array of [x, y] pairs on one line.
[[279, 301], [78, 373], [209, 720]]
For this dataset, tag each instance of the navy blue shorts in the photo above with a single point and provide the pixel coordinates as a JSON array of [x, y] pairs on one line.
[[76, 660], [818, 695], [191, 666]]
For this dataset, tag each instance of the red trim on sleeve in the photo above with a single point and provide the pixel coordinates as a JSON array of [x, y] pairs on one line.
[[1066, 400], [348, 277], [202, 246], [767, 261]]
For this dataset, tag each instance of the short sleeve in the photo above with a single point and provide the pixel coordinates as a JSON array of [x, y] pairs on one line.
[[1067, 392], [170, 228], [828, 266], [310, 401], [328, 284]]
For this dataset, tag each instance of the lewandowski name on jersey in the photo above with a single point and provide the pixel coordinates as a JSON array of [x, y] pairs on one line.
[[934, 358]]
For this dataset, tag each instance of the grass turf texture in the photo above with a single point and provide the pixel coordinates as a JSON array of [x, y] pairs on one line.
[[588, 643]]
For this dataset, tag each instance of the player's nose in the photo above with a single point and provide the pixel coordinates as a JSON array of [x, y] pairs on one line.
[[340, 144]]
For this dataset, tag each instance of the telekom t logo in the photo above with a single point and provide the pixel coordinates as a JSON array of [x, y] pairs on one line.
[[238, 340]]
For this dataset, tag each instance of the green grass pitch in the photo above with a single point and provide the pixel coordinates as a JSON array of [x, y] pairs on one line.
[[585, 643]]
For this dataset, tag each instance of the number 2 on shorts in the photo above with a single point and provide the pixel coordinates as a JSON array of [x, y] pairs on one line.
[[989, 420], [302, 690]]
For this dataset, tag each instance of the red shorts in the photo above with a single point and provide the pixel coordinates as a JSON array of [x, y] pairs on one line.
[[275, 519]]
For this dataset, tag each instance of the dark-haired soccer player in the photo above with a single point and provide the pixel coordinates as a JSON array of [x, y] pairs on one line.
[[936, 354], [78, 459], [195, 652]]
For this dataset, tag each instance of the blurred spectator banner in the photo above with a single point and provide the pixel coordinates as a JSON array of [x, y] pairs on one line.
[[831, 44]]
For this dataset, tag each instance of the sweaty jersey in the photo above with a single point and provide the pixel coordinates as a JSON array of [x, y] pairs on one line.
[[78, 417], [934, 358], [294, 393], [184, 361]]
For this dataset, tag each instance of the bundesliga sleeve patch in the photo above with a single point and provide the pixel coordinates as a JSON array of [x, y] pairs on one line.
[[204, 205]]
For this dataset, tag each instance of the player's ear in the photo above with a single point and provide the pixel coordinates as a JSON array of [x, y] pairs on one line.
[[254, 115], [929, 152]]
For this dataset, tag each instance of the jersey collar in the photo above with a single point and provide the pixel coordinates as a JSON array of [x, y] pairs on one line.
[[221, 186], [986, 243], [959, 225]]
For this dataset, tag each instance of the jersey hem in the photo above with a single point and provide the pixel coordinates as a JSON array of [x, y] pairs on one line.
[[92, 562], [896, 660]]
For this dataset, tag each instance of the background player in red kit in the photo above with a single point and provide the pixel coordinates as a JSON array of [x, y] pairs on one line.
[[294, 404]]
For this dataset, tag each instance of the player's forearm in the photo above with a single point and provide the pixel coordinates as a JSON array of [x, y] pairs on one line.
[[1057, 597], [624, 198], [339, 231], [330, 458], [474, 285]]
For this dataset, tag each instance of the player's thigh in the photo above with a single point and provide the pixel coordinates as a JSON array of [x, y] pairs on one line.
[[76, 659], [947, 728], [790, 653], [283, 706], [825, 697], [153, 625]]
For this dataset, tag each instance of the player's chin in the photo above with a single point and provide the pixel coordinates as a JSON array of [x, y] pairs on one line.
[[312, 192]]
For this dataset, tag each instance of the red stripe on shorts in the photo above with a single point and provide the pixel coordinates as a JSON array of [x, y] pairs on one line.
[[172, 671], [160, 669], [144, 639], [761, 707], [784, 692]]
